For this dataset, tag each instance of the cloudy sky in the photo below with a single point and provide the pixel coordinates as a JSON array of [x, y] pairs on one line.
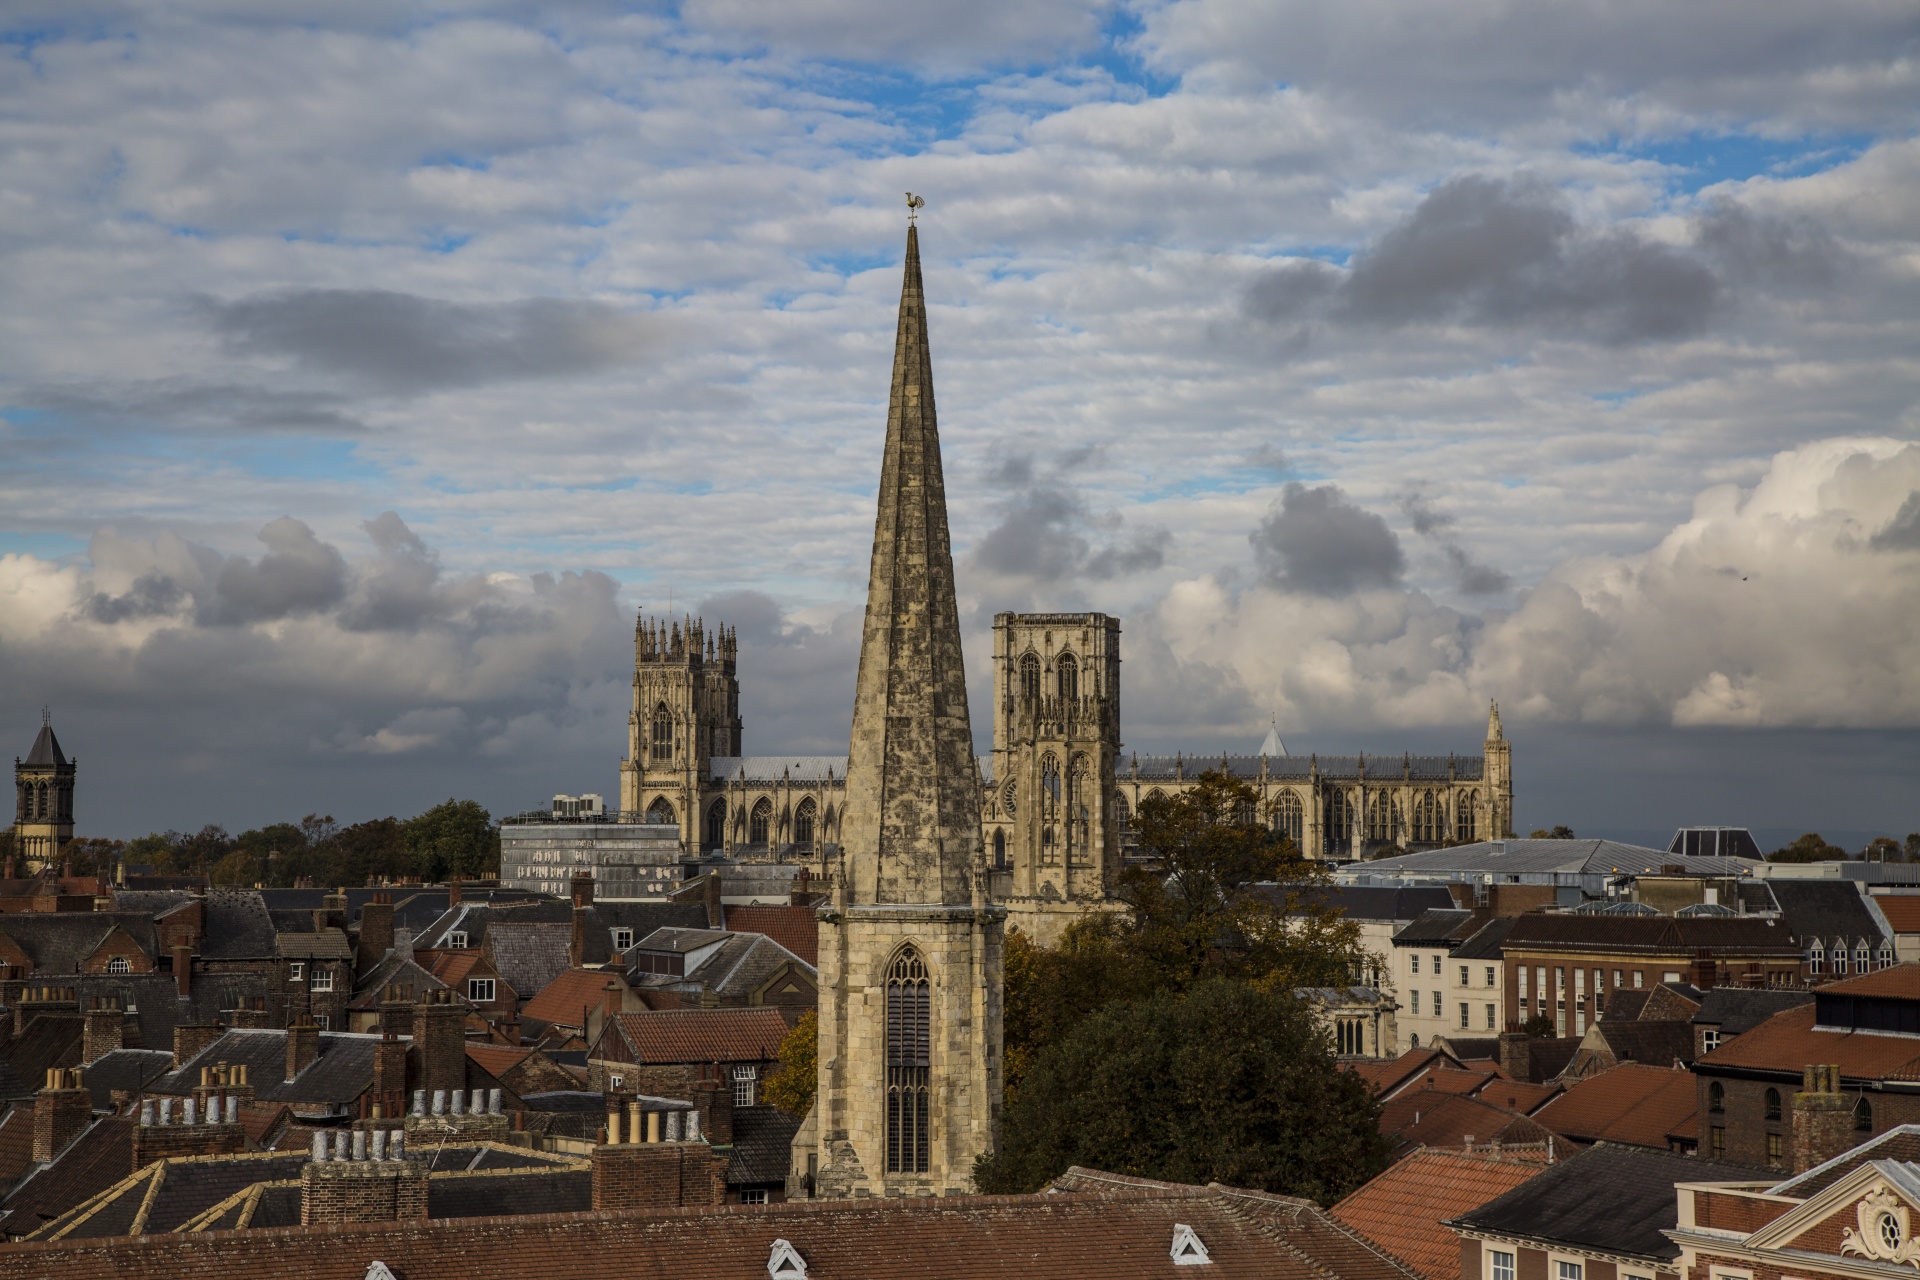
[[364, 367]]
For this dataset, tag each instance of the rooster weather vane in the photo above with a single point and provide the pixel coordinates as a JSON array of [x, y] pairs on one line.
[[914, 205]]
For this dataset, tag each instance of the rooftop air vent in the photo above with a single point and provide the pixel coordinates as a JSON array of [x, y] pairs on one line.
[[1187, 1250]]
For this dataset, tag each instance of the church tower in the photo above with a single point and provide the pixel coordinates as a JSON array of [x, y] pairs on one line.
[[686, 711], [1499, 767], [912, 956], [43, 800]]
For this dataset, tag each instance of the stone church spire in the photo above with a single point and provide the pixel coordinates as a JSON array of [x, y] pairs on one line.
[[912, 827]]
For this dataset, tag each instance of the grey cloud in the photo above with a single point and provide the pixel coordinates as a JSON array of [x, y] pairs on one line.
[[1470, 576], [754, 614], [298, 574], [1502, 253], [397, 590], [1047, 533], [1318, 542], [943, 37], [151, 595], [1902, 533], [404, 343], [194, 403]]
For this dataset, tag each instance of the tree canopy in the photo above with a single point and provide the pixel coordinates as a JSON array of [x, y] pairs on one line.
[[454, 838], [1809, 848], [793, 1083], [1222, 1083]]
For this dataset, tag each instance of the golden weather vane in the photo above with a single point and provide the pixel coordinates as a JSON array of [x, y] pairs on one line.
[[914, 205]]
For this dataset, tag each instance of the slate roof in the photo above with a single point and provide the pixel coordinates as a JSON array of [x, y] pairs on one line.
[[1380, 768], [1402, 1209], [1624, 1004], [342, 1071], [1609, 1199], [172, 1193], [529, 954], [151, 902], [48, 1040], [762, 1145], [774, 768], [500, 1192], [238, 926], [1723, 935], [126, 1070], [1436, 926], [1735, 1010], [1485, 942], [153, 1002], [16, 1144], [1539, 857], [1656, 1044], [702, 1035], [46, 751], [1827, 909], [1901, 1143], [736, 967], [57, 942], [400, 969], [795, 928], [1632, 1103], [94, 1161]]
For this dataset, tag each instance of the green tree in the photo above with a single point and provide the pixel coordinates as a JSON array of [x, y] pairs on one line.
[[1883, 849], [1226, 1083], [1051, 990], [1199, 914], [194, 854], [92, 855], [237, 868], [454, 838], [155, 850], [1809, 848], [791, 1086], [1557, 833], [1912, 846], [7, 845], [378, 849]]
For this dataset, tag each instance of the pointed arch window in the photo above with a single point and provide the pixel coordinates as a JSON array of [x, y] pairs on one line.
[[1049, 808], [1429, 819], [909, 1063], [760, 822], [662, 738], [1467, 821], [1080, 811], [1289, 816], [803, 824], [1123, 824], [661, 810], [999, 847], [1030, 678], [1339, 819], [1067, 671], [1383, 817], [717, 825]]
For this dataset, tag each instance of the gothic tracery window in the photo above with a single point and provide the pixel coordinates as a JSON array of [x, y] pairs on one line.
[[1339, 819], [999, 847], [803, 822], [1030, 678], [909, 1063], [1289, 817], [1049, 807], [717, 825], [1466, 825], [1079, 813], [1383, 817], [661, 810], [760, 821], [1429, 819], [1068, 672], [662, 733]]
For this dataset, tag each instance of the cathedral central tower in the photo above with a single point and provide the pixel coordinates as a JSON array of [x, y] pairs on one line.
[[912, 955]]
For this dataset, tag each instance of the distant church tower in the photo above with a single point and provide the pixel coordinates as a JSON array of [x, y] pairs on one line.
[[43, 800], [1499, 767], [912, 955], [1051, 811], [686, 711]]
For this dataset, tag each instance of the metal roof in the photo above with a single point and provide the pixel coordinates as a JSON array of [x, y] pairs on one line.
[[1543, 857]]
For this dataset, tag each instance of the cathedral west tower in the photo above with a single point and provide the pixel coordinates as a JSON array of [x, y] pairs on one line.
[[43, 800], [912, 954]]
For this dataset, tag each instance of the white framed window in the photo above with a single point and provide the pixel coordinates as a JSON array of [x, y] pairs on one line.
[[1489, 975], [1490, 1018], [1671, 975], [1414, 960], [616, 1082], [480, 990], [119, 964], [622, 939], [1499, 1265], [296, 971], [1465, 1016], [323, 1022], [323, 979], [1567, 1269], [1416, 1002], [1639, 980], [745, 1083], [753, 1195], [457, 939], [1709, 1039], [1439, 1010], [1463, 975]]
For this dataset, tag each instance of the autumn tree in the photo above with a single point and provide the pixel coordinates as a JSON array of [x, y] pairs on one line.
[[791, 1086]]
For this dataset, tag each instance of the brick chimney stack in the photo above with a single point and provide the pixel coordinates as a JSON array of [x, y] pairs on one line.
[[655, 1159], [190, 1039], [440, 1035], [582, 886], [106, 1029], [207, 1124], [453, 891], [61, 1111], [712, 1095], [716, 909], [362, 1176], [303, 1046], [183, 967], [1822, 1120], [802, 892], [252, 1013], [376, 932]]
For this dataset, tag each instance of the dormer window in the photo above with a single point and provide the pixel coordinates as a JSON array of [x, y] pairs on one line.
[[1816, 959], [1187, 1250], [785, 1263], [457, 939], [622, 939]]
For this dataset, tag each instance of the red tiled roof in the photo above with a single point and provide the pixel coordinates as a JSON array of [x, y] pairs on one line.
[[703, 1035], [1900, 980], [1632, 1103], [1788, 1040], [1402, 1209], [259, 1120], [1518, 1095], [1128, 1232], [563, 999], [451, 967], [1418, 1118], [497, 1059], [1388, 1075], [795, 928], [1902, 910]]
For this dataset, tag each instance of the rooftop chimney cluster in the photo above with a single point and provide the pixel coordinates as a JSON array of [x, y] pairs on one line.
[[359, 1145], [219, 1109], [456, 1102]]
